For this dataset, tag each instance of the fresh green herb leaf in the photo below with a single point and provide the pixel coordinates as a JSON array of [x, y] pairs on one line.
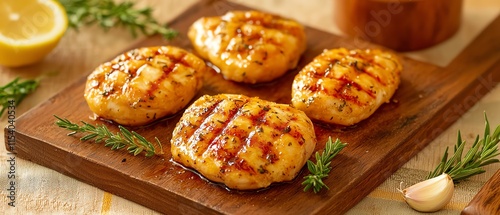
[[108, 14], [15, 91], [134, 142], [482, 153], [322, 167]]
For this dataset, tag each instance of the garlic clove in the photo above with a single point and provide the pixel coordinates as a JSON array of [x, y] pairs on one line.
[[430, 195]]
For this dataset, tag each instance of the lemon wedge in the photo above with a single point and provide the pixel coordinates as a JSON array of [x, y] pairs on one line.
[[29, 30]]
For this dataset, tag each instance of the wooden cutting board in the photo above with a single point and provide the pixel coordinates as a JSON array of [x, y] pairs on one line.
[[429, 99], [487, 201]]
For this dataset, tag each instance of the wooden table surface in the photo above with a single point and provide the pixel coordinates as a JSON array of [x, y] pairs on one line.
[[40, 190]]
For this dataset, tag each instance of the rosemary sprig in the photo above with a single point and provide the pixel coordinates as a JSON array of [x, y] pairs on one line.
[[482, 153], [134, 142], [15, 91], [108, 13], [322, 167]]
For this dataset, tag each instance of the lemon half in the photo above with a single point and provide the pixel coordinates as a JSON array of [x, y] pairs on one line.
[[29, 30]]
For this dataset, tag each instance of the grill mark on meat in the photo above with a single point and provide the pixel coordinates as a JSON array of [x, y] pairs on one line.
[[233, 161], [195, 134], [266, 147], [268, 22], [250, 40], [251, 144], [119, 65], [220, 130], [370, 62], [346, 84], [175, 61]]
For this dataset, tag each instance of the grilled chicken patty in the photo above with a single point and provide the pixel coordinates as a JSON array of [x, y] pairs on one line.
[[343, 86], [144, 84], [249, 46], [245, 143]]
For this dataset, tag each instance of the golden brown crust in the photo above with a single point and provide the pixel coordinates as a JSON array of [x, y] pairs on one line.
[[249, 46], [245, 143], [144, 84], [346, 86]]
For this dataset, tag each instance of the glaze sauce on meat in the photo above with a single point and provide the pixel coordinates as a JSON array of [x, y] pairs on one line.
[[343, 86], [144, 84], [243, 142]]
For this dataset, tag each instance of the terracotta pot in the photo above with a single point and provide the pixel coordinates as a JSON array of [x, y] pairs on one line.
[[402, 25]]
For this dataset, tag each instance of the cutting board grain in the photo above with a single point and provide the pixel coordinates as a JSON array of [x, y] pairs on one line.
[[487, 201], [429, 99]]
